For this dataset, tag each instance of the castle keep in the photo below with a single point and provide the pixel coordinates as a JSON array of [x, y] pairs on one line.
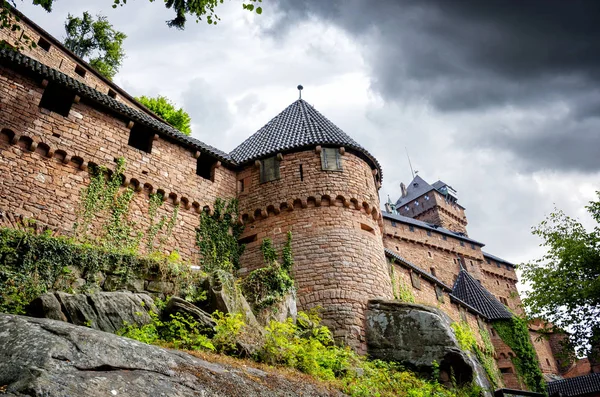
[[299, 172]]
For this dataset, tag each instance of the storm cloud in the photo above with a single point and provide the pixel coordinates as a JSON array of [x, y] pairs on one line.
[[473, 56]]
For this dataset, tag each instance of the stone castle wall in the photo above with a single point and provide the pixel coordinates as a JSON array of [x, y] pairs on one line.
[[432, 207], [54, 55], [335, 222], [46, 156]]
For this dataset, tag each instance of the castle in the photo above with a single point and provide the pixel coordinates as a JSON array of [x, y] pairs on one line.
[[299, 172]]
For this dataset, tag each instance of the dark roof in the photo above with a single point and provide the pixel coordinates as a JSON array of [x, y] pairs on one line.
[[439, 184], [429, 226], [299, 126], [578, 386], [497, 259], [470, 291], [428, 276], [23, 63], [415, 189]]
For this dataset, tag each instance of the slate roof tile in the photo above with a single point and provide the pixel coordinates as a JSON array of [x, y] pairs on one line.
[[29, 65], [298, 126], [470, 291], [429, 226], [577, 386]]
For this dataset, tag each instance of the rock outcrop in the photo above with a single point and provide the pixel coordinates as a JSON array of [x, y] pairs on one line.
[[41, 357], [178, 305], [105, 311], [417, 336]]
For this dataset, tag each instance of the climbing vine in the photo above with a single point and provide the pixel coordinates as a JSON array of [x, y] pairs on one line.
[[485, 354], [267, 285], [217, 237], [515, 333], [167, 223]]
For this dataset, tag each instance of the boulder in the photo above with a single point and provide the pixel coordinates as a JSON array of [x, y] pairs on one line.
[[42, 357], [417, 336], [106, 311], [178, 305], [225, 295], [279, 311]]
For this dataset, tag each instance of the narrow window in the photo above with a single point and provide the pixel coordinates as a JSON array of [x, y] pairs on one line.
[[429, 254], [57, 99], [331, 159], [240, 185], [301, 173], [141, 137], [439, 293], [498, 282], [112, 94], [498, 264], [205, 167], [487, 261], [415, 280], [269, 169], [429, 233], [507, 267], [472, 246], [411, 228], [548, 362], [393, 224], [506, 370], [79, 70], [444, 237], [462, 243], [44, 44], [248, 239], [471, 263], [367, 228], [432, 271]]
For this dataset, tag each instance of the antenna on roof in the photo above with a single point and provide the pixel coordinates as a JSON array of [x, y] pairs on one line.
[[300, 88], [409, 163]]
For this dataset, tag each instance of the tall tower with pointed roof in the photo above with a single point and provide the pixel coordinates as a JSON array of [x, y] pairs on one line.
[[436, 204], [302, 173]]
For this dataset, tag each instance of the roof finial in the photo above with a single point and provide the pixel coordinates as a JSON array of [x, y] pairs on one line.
[[300, 88]]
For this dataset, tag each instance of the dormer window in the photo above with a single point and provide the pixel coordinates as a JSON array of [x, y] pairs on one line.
[[331, 159], [57, 99], [269, 169]]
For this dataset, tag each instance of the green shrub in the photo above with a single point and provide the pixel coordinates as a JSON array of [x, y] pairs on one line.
[[227, 331], [181, 331], [32, 264]]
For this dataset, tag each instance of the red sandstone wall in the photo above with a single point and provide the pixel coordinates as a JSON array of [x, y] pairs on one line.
[[45, 185], [56, 58], [337, 244]]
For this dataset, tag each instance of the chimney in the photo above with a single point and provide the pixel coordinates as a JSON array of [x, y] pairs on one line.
[[403, 189], [388, 207]]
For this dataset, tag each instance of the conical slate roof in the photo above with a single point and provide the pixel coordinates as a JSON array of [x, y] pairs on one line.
[[299, 126], [470, 291]]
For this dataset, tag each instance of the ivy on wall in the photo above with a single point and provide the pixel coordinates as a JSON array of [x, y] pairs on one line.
[[485, 354], [267, 285], [401, 291], [217, 237], [515, 333]]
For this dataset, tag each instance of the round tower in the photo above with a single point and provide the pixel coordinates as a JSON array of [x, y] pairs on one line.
[[302, 173]]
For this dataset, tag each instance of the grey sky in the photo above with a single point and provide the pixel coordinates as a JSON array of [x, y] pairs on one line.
[[500, 100]]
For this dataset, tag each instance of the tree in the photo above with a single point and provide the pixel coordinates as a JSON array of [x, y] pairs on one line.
[[97, 41], [165, 109], [183, 9], [565, 282]]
